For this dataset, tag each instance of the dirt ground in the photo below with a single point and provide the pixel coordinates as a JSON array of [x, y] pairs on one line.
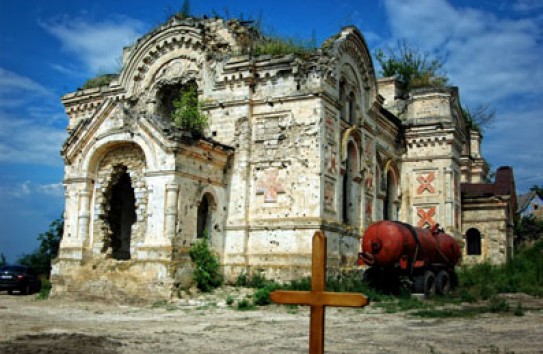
[[208, 325]]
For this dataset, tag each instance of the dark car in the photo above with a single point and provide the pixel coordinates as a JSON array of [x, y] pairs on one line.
[[20, 278]]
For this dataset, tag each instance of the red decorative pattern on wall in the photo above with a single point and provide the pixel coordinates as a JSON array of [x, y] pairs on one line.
[[426, 216], [270, 187], [426, 183]]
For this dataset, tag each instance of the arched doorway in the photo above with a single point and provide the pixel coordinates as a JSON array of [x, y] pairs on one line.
[[473, 244], [205, 217], [121, 214], [389, 203]]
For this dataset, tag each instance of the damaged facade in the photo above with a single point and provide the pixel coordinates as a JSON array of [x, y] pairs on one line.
[[294, 144]]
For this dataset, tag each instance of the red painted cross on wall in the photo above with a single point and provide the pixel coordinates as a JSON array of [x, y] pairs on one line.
[[426, 183], [426, 216], [270, 187]]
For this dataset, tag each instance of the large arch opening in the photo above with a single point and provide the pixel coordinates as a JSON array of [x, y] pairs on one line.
[[121, 214], [473, 244]]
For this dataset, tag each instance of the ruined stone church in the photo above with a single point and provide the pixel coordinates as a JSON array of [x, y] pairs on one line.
[[293, 144]]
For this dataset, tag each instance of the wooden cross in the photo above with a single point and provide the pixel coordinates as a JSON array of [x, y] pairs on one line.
[[317, 298]]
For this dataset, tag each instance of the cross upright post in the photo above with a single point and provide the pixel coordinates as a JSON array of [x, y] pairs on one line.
[[318, 298]]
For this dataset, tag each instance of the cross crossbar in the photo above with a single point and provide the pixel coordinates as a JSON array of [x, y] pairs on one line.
[[317, 298]]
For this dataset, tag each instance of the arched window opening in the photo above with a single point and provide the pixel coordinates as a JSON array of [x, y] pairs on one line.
[[168, 94], [121, 216], [342, 100], [473, 237], [351, 109], [205, 217], [389, 212], [348, 185]]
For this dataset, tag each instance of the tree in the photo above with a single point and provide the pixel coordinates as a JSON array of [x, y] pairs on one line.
[[2, 260], [40, 259], [480, 118], [185, 9], [412, 68], [538, 190]]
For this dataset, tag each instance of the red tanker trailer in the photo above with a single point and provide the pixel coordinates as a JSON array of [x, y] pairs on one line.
[[426, 256]]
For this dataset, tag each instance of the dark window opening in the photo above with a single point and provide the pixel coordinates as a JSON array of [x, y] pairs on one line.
[[348, 187], [205, 217], [168, 94], [121, 216], [388, 202], [352, 112], [473, 242], [342, 99]]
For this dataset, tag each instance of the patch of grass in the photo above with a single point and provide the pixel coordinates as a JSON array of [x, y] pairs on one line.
[[229, 300], [245, 305], [45, 290], [494, 305], [99, 81], [403, 304], [277, 46], [519, 310], [522, 274], [164, 304]]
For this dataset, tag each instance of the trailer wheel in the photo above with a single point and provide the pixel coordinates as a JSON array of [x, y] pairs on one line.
[[443, 283], [425, 283]]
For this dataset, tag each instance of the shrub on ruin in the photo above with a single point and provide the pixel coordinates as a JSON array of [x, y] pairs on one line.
[[187, 112], [207, 273]]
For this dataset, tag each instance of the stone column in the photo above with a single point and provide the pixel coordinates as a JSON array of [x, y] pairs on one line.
[[84, 215], [172, 191]]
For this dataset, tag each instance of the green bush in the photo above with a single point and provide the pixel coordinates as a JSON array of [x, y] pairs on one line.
[[207, 272], [261, 296], [245, 305], [187, 113]]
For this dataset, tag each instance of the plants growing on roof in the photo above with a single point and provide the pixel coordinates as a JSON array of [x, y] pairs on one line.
[[412, 68]]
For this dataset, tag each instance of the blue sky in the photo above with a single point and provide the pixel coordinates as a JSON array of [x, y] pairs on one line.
[[493, 51]]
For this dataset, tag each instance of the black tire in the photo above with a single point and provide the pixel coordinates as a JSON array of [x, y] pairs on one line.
[[443, 283], [425, 283], [27, 290], [10, 292]]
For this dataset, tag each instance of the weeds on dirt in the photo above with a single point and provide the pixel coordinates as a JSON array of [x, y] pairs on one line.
[[164, 304], [45, 290], [522, 274]]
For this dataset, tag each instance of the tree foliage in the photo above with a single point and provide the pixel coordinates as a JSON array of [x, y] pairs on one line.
[[412, 68], [538, 190], [40, 259], [187, 112], [479, 118], [2, 260]]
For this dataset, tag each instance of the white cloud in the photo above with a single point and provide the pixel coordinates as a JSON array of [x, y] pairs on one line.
[[14, 85], [527, 5], [29, 142], [488, 57], [29, 113], [27, 188], [97, 45]]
